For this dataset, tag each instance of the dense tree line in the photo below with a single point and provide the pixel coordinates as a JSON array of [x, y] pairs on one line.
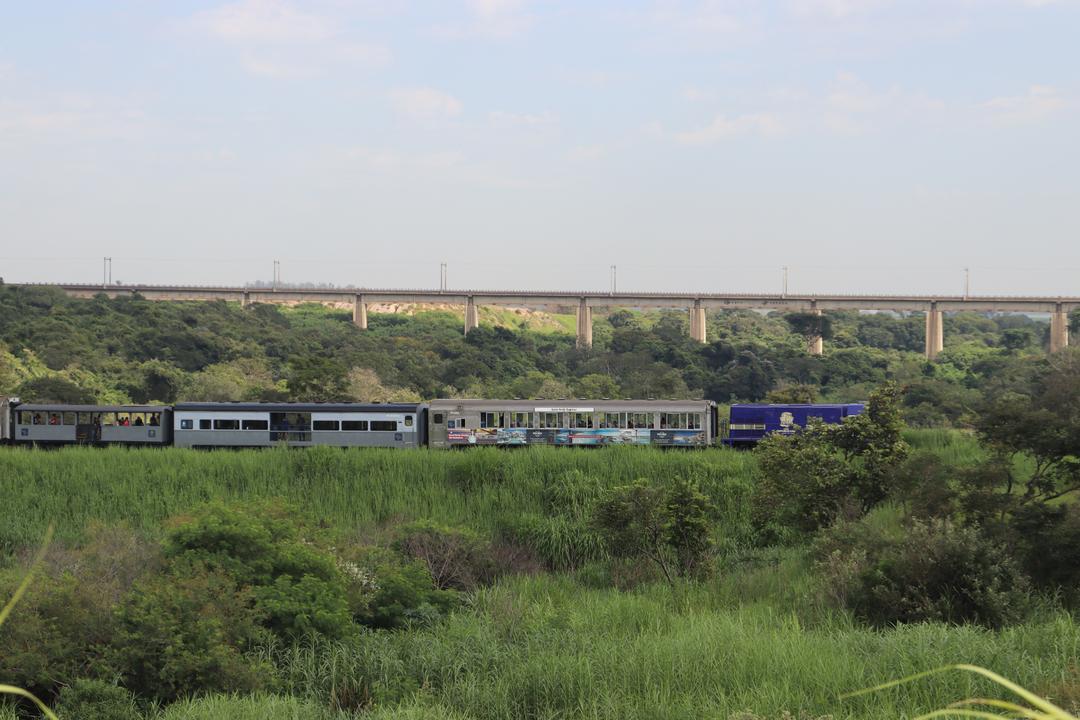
[[128, 349]]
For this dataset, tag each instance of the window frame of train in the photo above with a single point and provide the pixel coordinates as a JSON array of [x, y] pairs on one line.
[[299, 424], [578, 422], [63, 424]]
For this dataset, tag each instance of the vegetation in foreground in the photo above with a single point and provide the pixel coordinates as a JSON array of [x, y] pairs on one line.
[[620, 583]]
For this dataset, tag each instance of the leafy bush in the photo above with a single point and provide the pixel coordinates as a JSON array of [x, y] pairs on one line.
[[96, 700], [667, 525], [941, 572], [456, 558], [185, 632], [296, 586], [400, 592], [1047, 541], [54, 635], [807, 479]]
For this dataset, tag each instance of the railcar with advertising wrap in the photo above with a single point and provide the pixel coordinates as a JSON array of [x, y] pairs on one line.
[[667, 423]]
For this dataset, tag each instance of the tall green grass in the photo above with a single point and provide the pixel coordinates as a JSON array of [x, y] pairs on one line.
[[483, 488], [544, 647]]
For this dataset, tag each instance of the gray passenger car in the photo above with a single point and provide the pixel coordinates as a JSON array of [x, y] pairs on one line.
[[675, 423], [205, 425], [50, 424]]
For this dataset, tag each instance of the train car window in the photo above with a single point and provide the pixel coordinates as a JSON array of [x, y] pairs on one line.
[[204, 424], [69, 418], [354, 425], [583, 420], [489, 420], [611, 420], [408, 421], [226, 424], [549, 420], [324, 425], [256, 425], [437, 418], [520, 420], [85, 418], [155, 419], [186, 424], [695, 421], [384, 425]]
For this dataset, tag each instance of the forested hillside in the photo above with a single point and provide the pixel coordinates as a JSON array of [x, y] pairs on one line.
[[53, 347]]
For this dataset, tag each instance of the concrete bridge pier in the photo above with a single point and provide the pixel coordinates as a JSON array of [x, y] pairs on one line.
[[935, 332], [816, 344], [359, 313], [698, 330], [584, 325], [1059, 330], [472, 319], [245, 299]]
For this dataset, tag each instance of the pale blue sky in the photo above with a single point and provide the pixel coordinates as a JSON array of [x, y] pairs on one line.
[[870, 145]]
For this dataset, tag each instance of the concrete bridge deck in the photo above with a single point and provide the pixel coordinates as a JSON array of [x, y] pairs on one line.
[[697, 303]]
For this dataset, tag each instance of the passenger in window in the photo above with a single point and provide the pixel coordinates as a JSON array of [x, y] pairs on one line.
[[37, 418], [138, 421], [54, 419], [125, 421], [154, 421]]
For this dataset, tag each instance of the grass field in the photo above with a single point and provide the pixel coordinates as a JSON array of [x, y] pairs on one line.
[[753, 642]]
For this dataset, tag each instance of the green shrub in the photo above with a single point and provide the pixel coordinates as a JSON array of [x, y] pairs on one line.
[[669, 526], [1047, 541], [941, 572], [297, 586], [96, 700], [54, 635], [402, 592], [186, 632]]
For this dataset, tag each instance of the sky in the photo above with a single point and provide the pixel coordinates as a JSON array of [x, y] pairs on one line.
[[866, 145]]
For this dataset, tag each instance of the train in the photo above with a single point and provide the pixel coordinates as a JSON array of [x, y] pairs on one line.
[[439, 424]]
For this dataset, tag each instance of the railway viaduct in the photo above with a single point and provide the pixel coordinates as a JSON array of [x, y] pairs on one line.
[[697, 304]]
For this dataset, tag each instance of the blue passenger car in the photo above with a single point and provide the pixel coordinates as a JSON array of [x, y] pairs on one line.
[[749, 423]]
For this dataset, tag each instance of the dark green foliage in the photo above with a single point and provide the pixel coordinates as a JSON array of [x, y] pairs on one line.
[[670, 526], [131, 349], [296, 587], [96, 700], [810, 325], [56, 633], [402, 592], [802, 484], [1036, 413], [186, 631], [941, 572], [805, 479], [872, 444], [54, 390], [1047, 540]]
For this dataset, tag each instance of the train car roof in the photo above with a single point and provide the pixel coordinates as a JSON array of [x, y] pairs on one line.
[[57, 407], [571, 404], [295, 407]]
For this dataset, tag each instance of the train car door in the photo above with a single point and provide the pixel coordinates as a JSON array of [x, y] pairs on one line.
[[88, 428], [437, 419]]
